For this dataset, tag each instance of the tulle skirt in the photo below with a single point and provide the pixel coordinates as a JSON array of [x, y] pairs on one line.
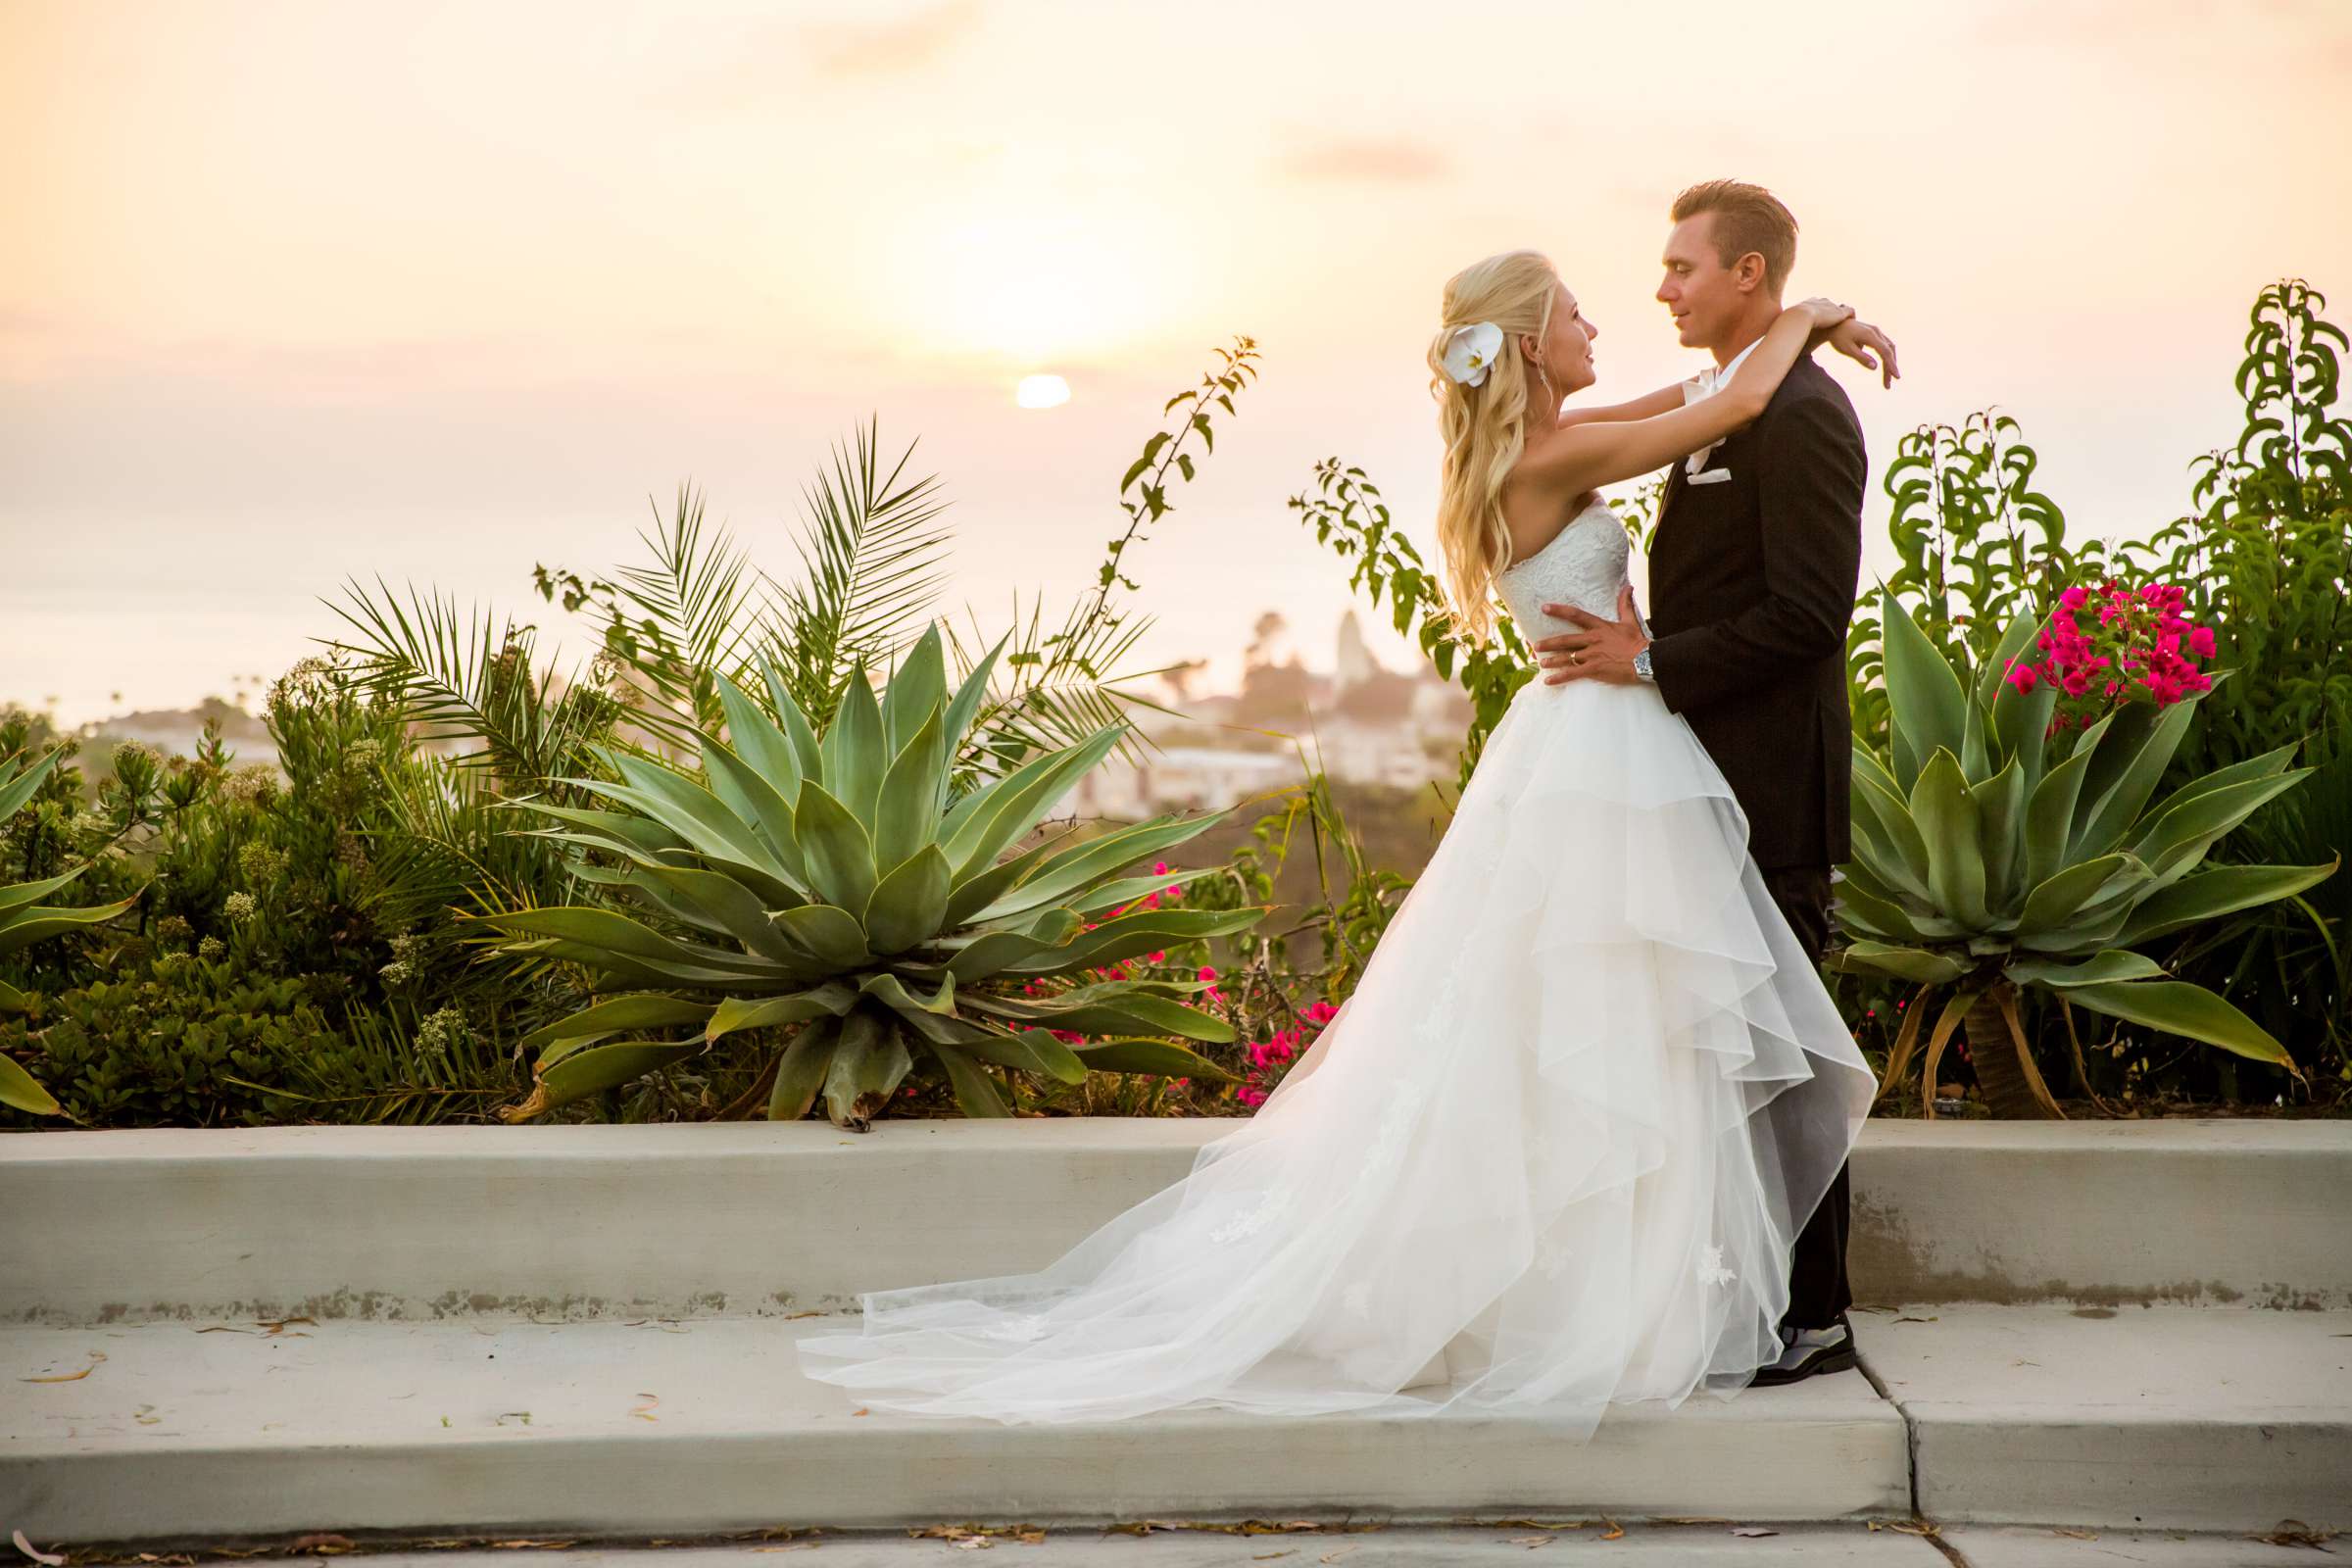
[[1551, 1153]]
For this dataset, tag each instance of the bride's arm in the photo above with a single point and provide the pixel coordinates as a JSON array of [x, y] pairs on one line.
[[1665, 400], [1866, 345], [1590, 453]]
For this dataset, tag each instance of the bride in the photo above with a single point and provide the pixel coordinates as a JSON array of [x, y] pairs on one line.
[[1554, 1150]]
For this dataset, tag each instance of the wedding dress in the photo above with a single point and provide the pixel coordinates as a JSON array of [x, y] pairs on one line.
[[1551, 1153]]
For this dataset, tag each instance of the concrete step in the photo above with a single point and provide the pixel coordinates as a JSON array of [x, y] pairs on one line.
[[1693, 1544], [2193, 1418], [656, 1426], [420, 1224]]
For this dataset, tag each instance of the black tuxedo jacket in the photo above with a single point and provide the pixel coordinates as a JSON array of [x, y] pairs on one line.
[[1751, 587]]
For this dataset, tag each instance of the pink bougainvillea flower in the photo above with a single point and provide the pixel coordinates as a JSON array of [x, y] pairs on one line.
[[2022, 676], [2200, 641]]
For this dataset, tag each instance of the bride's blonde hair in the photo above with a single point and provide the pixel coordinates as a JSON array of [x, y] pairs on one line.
[[1485, 426]]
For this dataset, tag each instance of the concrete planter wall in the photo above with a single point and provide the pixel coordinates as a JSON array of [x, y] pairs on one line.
[[564, 1223], [588, 1329]]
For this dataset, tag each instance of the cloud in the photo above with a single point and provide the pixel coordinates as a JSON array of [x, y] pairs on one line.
[[1393, 161], [893, 46]]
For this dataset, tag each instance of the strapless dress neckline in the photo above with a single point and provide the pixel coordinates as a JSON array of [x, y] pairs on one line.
[[1600, 503]]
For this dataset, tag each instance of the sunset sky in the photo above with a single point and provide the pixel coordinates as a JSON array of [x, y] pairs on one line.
[[306, 290]]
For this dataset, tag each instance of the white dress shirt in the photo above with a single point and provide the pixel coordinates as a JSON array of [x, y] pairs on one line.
[[1702, 386]]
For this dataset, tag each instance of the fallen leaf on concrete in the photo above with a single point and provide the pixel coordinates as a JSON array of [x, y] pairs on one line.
[[1754, 1530], [528, 1544], [141, 1416], [861, 1410], [1915, 1320], [1616, 1530], [2295, 1533], [1337, 1553], [2077, 1535], [1269, 1556], [811, 1312], [51, 1558], [96, 1356], [279, 1327], [973, 1542], [500, 1419], [645, 1413], [1531, 1542], [324, 1541]]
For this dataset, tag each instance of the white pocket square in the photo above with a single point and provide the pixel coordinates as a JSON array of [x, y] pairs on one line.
[[1707, 477]]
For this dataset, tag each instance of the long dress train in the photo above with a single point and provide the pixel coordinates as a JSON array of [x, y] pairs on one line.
[[1554, 1151]]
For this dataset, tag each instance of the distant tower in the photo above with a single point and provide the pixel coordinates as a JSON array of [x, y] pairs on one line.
[[1355, 663]]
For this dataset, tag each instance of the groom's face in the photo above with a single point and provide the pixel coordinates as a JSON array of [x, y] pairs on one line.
[[1707, 298]]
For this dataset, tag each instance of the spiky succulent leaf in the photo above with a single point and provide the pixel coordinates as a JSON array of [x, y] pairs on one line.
[[913, 793], [2105, 968], [907, 904], [852, 747], [839, 850], [2189, 1011]]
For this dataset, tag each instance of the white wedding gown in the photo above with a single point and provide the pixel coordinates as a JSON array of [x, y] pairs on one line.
[[1552, 1154]]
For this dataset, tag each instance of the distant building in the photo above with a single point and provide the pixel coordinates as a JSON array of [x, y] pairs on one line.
[[1362, 724]]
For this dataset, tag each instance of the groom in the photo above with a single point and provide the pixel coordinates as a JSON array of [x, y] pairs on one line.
[[1752, 577]]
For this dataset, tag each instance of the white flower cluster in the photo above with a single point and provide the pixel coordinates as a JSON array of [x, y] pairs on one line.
[[442, 1030], [241, 905], [261, 864], [254, 784]]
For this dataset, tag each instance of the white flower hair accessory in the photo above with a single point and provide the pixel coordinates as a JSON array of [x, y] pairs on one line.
[[1471, 352]]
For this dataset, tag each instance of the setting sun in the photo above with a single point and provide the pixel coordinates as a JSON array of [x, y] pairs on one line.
[[1042, 392]]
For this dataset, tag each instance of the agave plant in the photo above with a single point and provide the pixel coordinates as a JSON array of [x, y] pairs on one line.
[[24, 920], [1987, 858], [841, 886]]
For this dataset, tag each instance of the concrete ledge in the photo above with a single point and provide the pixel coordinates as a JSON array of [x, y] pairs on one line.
[[2193, 1418], [744, 1219], [708, 1426], [2221, 1211]]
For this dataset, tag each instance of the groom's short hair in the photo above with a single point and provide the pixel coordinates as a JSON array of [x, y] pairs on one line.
[[1747, 218]]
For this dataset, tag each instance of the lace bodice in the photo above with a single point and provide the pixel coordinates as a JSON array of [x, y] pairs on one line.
[[1583, 564]]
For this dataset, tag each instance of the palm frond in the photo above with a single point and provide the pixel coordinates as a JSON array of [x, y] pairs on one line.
[[463, 677], [1051, 694], [872, 557]]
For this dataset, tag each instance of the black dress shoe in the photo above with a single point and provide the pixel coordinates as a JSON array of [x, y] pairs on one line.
[[1807, 1351]]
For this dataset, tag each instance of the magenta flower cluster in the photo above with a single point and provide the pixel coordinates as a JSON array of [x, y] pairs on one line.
[[2143, 649], [1119, 971], [1271, 1056]]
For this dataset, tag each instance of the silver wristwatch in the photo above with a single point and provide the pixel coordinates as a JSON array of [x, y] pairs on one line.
[[1642, 666]]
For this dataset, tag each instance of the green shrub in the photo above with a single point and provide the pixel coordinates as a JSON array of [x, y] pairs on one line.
[[192, 1042]]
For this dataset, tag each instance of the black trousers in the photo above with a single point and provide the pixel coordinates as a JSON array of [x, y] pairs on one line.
[[1817, 1287]]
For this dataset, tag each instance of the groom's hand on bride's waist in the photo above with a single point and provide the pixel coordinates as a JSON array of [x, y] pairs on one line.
[[1597, 649]]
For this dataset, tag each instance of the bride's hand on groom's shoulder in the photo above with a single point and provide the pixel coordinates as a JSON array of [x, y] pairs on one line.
[[1867, 346]]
